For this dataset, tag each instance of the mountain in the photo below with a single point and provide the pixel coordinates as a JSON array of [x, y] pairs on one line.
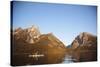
[[84, 47], [84, 39], [29, 41]]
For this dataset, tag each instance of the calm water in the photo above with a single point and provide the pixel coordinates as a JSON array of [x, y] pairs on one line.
[[51, 58], [68, 59], [21, 60]]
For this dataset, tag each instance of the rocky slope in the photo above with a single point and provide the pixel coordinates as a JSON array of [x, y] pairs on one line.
[[84, 39]]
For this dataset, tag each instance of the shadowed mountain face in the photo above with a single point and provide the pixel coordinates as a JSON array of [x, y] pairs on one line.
[[84, 47], [29, 46]]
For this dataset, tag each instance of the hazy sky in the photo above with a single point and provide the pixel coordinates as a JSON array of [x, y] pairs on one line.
[[65, 21]]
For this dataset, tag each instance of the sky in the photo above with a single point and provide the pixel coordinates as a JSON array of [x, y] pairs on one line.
[[65, 21]]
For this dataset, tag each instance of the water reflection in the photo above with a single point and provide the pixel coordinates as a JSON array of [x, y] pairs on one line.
[[50, 58], [36, 55], [68, 59], [36, 59]]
